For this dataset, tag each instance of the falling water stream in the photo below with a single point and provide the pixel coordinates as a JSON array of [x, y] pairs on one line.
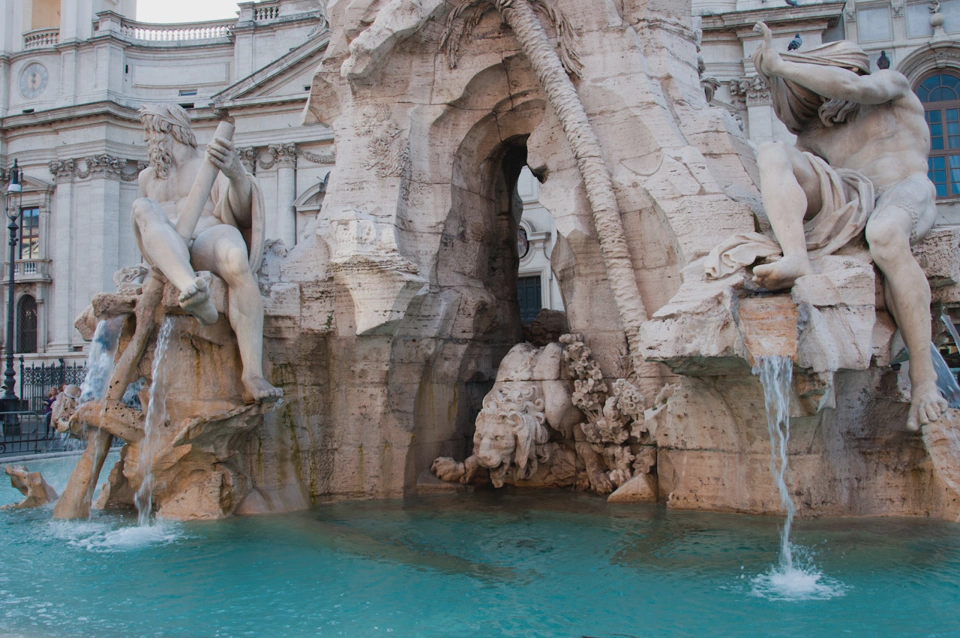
[[785, 580], [156, 415], [100, 360]]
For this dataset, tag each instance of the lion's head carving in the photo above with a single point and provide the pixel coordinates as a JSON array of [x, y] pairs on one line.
[[511, 432]]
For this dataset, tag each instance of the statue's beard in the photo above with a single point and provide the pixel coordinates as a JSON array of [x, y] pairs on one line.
[[160, 154]]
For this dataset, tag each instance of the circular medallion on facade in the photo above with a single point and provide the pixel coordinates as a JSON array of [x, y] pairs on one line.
[[523, 244], [33, 80]]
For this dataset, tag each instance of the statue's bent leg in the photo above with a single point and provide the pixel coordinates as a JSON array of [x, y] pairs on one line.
[[790, 190], [908, 298], [222, 250], [165, 249]]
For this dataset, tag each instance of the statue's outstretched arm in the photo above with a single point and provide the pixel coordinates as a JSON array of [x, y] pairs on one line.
[[830, 82]]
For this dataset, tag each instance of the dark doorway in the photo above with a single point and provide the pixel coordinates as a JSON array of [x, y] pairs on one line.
[[27, 324], [530, 298]]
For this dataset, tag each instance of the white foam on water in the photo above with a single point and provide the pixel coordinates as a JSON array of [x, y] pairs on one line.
[[796, 584], [97, 536], [786, 580]]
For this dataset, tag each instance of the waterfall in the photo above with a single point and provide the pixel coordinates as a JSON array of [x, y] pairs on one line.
[[776, 376], [156, 416], [785, 580], [100, 360]]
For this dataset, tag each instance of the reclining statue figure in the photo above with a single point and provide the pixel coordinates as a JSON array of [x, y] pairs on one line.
[[860, 163], [228, 240]]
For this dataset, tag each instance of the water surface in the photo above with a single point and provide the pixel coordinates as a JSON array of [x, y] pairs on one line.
[[499, 564]]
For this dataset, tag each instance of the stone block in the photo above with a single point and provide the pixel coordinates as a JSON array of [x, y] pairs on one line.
[[939, 256], [769, 326]]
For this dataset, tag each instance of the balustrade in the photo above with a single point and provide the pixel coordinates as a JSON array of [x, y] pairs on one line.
[[266, 12], [164, 34], [39, 38]]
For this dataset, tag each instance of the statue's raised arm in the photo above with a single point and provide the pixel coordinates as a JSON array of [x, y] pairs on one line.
[[822, 74]]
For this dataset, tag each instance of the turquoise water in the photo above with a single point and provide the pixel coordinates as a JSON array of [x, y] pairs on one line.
[[497, 564]]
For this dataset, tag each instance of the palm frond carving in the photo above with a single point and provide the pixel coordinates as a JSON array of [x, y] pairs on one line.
[[553, 70], [466, 16]]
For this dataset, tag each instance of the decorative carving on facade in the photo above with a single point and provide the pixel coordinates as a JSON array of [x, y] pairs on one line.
[[328, 157], [102, 165], [63, 170], [897, 9], [752, 91], [277, 155], [285, 155], [248, 157]]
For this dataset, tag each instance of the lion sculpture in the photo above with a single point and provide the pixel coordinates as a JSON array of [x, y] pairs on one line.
[[529, 431]]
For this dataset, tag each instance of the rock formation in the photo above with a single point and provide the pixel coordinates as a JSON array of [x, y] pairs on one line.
[[31, 484]]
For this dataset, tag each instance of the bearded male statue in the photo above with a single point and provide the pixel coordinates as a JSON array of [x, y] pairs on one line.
[[228, 240], [859, 164]]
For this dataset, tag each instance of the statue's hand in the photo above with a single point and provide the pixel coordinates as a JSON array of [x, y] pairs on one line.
[[767, 59], [224, 156]]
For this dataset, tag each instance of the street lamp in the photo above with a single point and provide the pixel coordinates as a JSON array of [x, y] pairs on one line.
[[10, 403]]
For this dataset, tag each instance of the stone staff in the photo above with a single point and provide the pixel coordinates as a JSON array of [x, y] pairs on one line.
[[202, 186]]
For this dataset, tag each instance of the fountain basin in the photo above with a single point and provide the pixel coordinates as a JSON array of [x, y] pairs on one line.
[[492, 563]]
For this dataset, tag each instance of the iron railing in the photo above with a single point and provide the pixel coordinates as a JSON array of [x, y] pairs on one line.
[[37, 380], [28, 432]]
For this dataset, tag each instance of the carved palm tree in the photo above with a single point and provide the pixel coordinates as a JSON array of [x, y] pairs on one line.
[[551, 69]]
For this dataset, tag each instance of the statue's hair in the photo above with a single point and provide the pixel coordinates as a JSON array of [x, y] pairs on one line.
[[521, 406], [169, 121], [168, 118]]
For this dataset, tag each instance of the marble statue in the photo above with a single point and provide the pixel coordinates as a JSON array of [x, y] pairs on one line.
[[227, 240], [859, 164], [32, 485], [551, 421]]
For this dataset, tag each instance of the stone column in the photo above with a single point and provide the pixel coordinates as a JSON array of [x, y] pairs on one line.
[[287, 194], [60, 252]]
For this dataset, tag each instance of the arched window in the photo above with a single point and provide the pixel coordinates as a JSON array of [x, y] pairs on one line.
[[940, 94], [27, 324]]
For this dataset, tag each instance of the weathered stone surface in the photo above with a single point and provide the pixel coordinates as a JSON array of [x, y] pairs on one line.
[[640, 489], [939, 256], [858, 459], [768, 325], [32, 485]]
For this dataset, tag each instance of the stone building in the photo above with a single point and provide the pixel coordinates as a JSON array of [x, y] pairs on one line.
[[73, 78], [919, 39]]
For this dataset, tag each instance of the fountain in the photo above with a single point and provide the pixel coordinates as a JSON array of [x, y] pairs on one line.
[[392, 328], [698, 375]]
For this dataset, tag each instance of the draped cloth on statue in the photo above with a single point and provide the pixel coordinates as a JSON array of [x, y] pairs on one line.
[[254, 234], [848, 200], [796, 105]]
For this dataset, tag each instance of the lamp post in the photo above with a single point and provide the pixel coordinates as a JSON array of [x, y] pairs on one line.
[[10, 403]]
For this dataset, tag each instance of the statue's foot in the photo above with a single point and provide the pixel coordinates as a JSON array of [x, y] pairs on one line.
[[446, 469], [600, 482], [927, 405], [196, 300], [261, 391], [783, 273]]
